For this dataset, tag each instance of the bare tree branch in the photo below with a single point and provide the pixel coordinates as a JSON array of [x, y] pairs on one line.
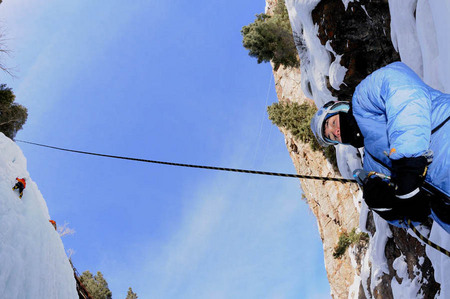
[[70, 252], [65, 230], [9, 121], [5, 50]]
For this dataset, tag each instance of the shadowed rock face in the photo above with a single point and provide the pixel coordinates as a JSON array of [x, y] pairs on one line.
[[361, 33], [403, 244]]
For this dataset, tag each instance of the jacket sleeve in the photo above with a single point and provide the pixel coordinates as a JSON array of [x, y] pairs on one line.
[[405, 101]]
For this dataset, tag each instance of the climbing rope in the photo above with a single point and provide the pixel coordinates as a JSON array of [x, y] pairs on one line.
[[342, 180], [300, 176], [427, 241]]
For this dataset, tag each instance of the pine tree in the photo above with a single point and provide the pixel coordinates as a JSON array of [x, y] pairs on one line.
[[270, 38], [131, 294], [96, 285], [12, 115]]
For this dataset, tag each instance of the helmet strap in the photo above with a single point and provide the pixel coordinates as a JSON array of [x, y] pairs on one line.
[[350, 132]]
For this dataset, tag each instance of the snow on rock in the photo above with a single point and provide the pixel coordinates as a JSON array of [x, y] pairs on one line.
[[349, 159], [315, 64], [426, 35], [440, 10], [419, 30], [33, 263], [377, 246], [404, 33], [403, 286], [336, 71], [441, 262]]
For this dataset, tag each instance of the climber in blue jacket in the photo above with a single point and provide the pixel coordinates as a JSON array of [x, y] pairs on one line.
[[403, 125]]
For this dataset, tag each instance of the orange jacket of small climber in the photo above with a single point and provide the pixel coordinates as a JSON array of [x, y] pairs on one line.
[[53, 223], [22, 180]]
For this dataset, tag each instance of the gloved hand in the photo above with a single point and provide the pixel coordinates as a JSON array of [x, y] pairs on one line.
[[408, 175], [380, 198], [379, 195]]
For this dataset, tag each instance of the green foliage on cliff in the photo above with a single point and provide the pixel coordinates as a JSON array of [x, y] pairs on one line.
[[269, 38], [347, 239], [296, 119]]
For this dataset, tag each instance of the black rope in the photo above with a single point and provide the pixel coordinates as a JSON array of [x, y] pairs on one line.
[[427, 241], [300, 176], [342, 180]]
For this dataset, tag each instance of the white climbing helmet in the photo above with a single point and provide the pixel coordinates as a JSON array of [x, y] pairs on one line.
[[317, 122]]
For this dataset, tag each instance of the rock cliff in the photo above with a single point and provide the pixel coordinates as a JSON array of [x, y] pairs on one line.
[[332, 203]]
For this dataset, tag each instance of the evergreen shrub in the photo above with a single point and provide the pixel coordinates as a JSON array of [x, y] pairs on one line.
[[270, 38], [347, 239], [296, 119]]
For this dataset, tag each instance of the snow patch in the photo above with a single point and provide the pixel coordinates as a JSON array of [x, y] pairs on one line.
[[336, 72], [315, 58], [404, 33], [441, 262], [346, 2], [353, 290], [402, 285]]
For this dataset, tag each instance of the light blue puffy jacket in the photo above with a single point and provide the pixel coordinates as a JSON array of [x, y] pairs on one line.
[[396, 112]]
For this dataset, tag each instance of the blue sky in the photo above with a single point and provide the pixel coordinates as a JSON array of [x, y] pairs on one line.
[[162, 80]]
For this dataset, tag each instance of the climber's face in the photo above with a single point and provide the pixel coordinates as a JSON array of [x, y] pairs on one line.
[[332, 128]]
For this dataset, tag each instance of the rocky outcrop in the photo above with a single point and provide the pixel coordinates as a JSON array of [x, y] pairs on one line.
[[332, 203], [360, 33]]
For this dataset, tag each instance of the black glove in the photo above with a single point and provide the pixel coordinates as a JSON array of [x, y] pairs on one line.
[[408, 175], [380, 196]]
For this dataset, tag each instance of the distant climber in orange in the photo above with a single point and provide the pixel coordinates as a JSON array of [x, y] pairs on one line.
[[53, 223], [21, 184]]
